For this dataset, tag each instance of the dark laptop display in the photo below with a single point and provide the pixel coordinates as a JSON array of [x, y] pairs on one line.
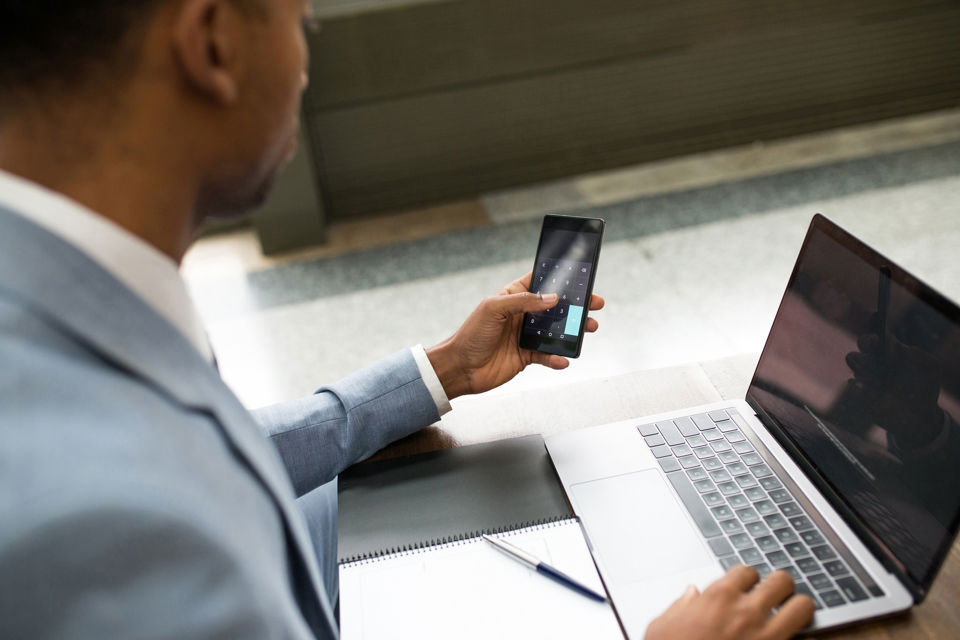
[[860, 382]]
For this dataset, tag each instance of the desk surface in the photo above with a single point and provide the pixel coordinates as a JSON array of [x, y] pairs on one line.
[[557, 409]]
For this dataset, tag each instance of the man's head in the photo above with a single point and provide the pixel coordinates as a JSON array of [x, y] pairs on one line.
[[210, 88]]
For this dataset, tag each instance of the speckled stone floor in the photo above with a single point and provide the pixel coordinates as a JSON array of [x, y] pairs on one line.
[[695, 258]]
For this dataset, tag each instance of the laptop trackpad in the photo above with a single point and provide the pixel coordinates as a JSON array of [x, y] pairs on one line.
[[638, 528]]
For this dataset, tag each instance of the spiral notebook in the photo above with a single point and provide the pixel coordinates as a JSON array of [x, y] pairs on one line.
[[412, 564]]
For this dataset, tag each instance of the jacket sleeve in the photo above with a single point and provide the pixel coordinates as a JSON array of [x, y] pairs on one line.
[[341, 423]]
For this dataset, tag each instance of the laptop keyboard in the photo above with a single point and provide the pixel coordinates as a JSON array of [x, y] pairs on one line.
[[744, 511]]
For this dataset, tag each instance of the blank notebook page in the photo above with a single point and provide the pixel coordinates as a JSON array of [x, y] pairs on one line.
[[468, 589]]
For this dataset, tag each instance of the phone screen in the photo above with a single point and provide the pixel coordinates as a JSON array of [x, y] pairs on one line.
[[566, 264]]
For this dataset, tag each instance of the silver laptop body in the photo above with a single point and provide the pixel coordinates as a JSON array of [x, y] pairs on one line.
[[808, 473]]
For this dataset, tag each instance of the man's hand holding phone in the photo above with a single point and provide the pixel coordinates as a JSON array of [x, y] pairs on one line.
[[484, 353]]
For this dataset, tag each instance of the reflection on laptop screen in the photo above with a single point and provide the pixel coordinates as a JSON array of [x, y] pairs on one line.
[[861, 372]]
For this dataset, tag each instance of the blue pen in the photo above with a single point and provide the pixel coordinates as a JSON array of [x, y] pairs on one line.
[[544, 568]]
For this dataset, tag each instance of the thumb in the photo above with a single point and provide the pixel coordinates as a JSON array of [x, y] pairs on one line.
[[525, 302]]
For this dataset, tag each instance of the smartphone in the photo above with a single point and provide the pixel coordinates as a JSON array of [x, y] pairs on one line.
[[566, 264]]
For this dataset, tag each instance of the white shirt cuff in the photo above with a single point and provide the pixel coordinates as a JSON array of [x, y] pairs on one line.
[[431, 380]]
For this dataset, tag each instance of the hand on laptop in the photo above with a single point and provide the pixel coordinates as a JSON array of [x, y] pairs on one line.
[[736, 607], [484, 352]]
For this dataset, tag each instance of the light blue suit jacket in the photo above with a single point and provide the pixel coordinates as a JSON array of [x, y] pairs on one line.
[[138, 498]]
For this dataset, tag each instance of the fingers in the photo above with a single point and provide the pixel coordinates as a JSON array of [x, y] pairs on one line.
[[795, 614], [548, 360], [591, 326], [741, 577], [773, 590], [596, 302], [515, 303]]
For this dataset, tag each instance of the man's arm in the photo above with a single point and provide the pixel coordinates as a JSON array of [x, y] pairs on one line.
[[321, 435]]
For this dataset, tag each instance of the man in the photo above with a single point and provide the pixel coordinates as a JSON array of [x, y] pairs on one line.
[[139, 498]]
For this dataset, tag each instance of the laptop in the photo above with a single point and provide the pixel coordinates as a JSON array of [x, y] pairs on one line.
[[841, 465]]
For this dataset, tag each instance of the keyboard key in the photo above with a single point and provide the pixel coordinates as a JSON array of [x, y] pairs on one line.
[[741, 540], [728, 457], [835, 568], [795, 549], [820, 581], [712, 463], [800, 523], [823, 552], [737, 500], [778, 559], [737, 468], [712, 435], [704, 486], [728, 488], [703, 421], [757, 529], [731, 526], [808, 565], [720, 546], [686, 427], [751, 556], [691, 500], [767, 543], [804, 589], [763, 569], [765, 507], [722, 512], [670, 433], [713, 499], [775, 520], [778, 495], [793, 573], [755, 493], [746, 481], [661, 451], [669, 464], [696, 441], [689, 462], [727, 425], [648, 429], [770, 483], [718, 415], [786, 536], [703, 452], [751, 459], [747, 514], [720, 446], [743, 447], [759, 470], [832, 598], [728, 562], [654, 440], [697, 473], [734, 436], [682, 450], [851, 589], [720, 475], [812, 537], [791, 509]]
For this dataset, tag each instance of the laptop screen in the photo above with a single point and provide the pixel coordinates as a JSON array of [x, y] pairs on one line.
[[861, 375]]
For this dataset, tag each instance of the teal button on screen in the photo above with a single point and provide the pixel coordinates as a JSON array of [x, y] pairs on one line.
[[573, 320]]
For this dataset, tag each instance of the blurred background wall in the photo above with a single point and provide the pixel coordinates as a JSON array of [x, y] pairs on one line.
[[416, 102]]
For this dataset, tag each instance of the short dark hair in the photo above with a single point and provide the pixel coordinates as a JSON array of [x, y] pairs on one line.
[[59, 44]]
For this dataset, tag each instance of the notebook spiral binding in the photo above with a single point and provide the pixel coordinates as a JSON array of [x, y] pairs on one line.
[[449, 541]]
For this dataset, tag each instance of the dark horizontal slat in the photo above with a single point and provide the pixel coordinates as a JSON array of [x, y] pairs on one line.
[[766, 85], [404, 51]]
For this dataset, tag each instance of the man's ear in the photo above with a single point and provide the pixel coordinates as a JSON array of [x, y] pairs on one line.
[[205, 41]]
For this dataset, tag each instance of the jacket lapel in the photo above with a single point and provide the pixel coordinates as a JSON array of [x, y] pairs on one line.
[[62, 284]]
